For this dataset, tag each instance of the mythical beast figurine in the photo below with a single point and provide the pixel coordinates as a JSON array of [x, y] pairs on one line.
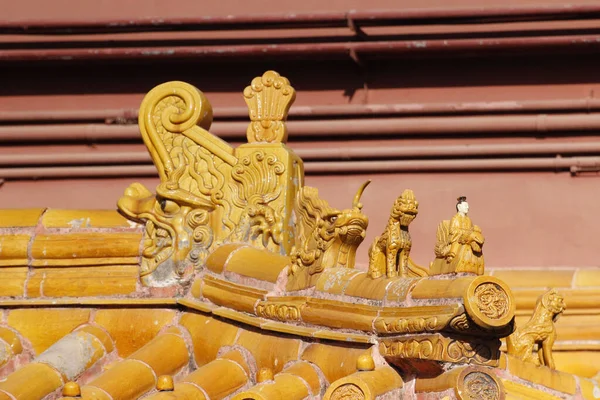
[[538, 331], [389, 253], [326, 237]]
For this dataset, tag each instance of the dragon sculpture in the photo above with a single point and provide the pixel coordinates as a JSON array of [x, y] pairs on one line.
[[325, 236]]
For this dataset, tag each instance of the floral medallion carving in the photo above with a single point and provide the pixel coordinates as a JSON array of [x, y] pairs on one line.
[[492, 300], [480, 386], [349, 391]]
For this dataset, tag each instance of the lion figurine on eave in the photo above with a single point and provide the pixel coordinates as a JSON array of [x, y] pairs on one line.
[[533, 342]]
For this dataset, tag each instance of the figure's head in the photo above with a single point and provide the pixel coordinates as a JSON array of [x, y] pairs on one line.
[[554, 302], [461, 205]]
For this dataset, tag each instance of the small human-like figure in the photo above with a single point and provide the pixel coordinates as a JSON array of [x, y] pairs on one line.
[[533, 342], [459, 244]]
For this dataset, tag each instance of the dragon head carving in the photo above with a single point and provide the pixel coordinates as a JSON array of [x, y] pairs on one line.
[[176, 228], [326, 237]]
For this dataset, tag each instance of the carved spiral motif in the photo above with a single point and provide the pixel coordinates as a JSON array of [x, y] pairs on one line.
[[492, 300], [349, 391], [464, 351], [480, 386]]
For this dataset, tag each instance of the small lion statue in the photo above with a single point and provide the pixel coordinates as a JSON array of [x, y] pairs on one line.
[[539, 330], [389, 253]]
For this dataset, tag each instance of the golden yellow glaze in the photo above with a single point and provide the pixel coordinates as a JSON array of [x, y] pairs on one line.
[[308, 373], [128, 379], [335, 361], [165, 383], [14, 250], [269, 351], [220, 292], [32, 382], [544, 376], [12, 339], [81, 219], [119, 322], [468, 383], [589, 388], [20, 217], [366, 385], [208, 335], [284, 386], [217, 379], [12, 281], [93, 281], [71, 389], [538, 331], [515, 391], [43, 327], [254, 263], [389, 254], [85, 249], [232, 279]]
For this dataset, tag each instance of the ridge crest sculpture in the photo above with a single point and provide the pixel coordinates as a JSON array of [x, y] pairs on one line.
[[234, 280]]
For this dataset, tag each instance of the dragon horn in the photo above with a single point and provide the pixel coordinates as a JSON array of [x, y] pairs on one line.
[[361, 189]]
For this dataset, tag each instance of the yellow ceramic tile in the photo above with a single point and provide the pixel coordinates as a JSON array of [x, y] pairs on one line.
[[133, 328], [32, 381], [441, 288], [218, 379], [196, 289], [238, 316], [335, 361], [337, 314], [228, 294], [256, 263], [398, 289], [197, 305], [587, 277], [85, 245], [20, 217], [363, 285], [307, 372], [522, 392], [12, 339], [208, 335], [289, 328], [536, 278], [341, 336], [13, 250], [128, 379], [165, 354], [218, 258], [335, 280], [85, 219], [373, 383], [542, 376], [578, 300], [101, 335], [12, 281], [590, 389], [269, 351], [578, 362], [285, 386], [83, 281], [44, 327]]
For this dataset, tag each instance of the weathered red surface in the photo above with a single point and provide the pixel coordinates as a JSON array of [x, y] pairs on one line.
[[499, 105]]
